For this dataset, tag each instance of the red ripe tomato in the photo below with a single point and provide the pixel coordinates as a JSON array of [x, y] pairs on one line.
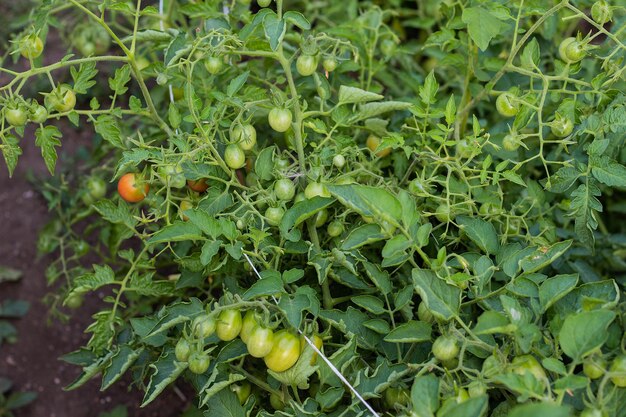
[[198, 186], [132, 188]]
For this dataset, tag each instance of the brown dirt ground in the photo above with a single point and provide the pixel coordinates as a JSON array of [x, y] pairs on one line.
[[32, 363]]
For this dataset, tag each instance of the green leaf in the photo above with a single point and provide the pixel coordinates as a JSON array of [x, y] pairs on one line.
[[541, 409], [47, 138], [369, 110], [106, 126], [297, 19], [370, 303], [267, 286], [13, 308], [542, 257], [442, 299], [349, 95], [11, 151], [482, 25], [115, 214], [83, 78], [120, 80], [173, 116], [89, 371], [363, 235], [584, 332], [608, 171], [264, 164], [274, 30], [224, 404], [481, 232], [122, 359], [209, 250], [473, 407], [166, 370], [425, 395], [176, 232], [369, 201], [555, 288], [300, 212], [411, 332], [236, 83]]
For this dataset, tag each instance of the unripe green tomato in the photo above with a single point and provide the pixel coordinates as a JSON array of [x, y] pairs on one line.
[[182, 351], [280, 119], [491, 367], [507, 105], [329, 63], [575, 51], [242, 391], [213, 64], [16, 117], [345, 180], [335, 228], [424, 313], [511, 142], [489, 209], [388, 48], [565, 43], [203, 326], [74, 300], [619, 366], [252, 180], [601, 12], [316, 189], [260, 342], [276, 402], [284, 189], [396, 398], [39, 114], [339, 161], [31, 46], [64, 99], [274, 215], [476, 389], [285, 352], [443, 213], [172, 175], [445, 348], [562, 127], [264, 3], [81, 248], [250, 321], [229, 325], [199, 362], [234, 156], [321, 217], [464, 149], [594, 367], [306, 65], [528, 364], [299, 197], [244, 136], [87, 48], [592, 412], [96, 187]]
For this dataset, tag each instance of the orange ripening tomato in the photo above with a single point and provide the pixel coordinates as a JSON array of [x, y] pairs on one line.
[[198, 186], [132, 188]]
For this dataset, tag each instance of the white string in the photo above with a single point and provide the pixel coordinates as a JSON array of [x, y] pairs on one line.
[[328, 362], [315, 349]]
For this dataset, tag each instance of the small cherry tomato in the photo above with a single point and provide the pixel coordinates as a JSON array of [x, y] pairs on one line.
[[339, 161], [373, 142], [528, 364], [250, 321], [317, 341], [39, 114], [172, 176], [203, 326], [184, 206], [74, 300], [229, 325], [396, 398], [285, 351], [280, 119], [242, 391], [507, 105], [511, 142], [476, 389], [284, 189], [594, 367], [274, 215], [81, 247], [264, 3], [96, 187], [234, 156], [31, 46], [445, 348], [260, 342], [335, 228], [132, 188], [618, 366], [561, 127], [244, 136], [276, 402], [321, 217], [63, 99], [424, 314], [601, 12], [316, 189], [199, 362], [443, 213], [575, 51], [213, 64], [16, 117], [593, 412], [199, 185], [182, 351], [329, 63], [306, 65], [464, 149]]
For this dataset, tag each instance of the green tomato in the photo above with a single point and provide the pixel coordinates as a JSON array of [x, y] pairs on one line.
[[561, 127], [276, 402], [487, 209], [250, 321], [575, 51], [172, 175], [507, 105], [443, 213], [182, 351], [279, 119], [244, 136], [528, 364], [335, 228], [260, 342], [339, 161], [464, 149], [284, 189], [316, 189], [321, 217], [39, 114], [619, 366], [396, 398], [593, 412], [242, 391], [264, 3], [16, 117], [229, 325], [424, 313], [511, 142], [199, 362], [476, 389], [594, 367], [445, 348], [203, 326], [63, 99], [81, 248], [274, 215], [234, 156], [31, 46], [96, 187], [74, 300], [285, 351], [213, 64], [306, 65], [330, 63], [601, 12], [299, 197], [388, 48]]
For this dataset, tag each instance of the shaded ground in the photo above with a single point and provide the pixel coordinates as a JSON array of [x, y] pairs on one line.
[[33, 362]]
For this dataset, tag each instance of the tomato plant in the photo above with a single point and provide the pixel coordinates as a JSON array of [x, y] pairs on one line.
[[441, 203]]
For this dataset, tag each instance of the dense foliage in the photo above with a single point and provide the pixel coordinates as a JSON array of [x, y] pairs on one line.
[[430, 192]]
